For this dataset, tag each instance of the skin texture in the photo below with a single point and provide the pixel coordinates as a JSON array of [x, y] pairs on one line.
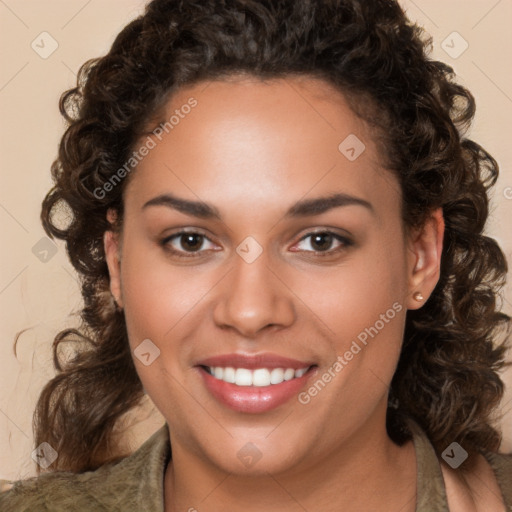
[[477, 491], [252, 150]]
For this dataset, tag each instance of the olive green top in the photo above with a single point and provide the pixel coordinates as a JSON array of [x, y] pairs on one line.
[[136, 483]]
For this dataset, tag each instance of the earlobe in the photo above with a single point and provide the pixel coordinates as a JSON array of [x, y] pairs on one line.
[[425, 259], [111, 247]]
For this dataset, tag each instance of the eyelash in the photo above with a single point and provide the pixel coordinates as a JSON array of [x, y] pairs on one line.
[[345, 243]]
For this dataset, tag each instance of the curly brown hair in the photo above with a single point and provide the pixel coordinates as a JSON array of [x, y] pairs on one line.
[[447, 376]]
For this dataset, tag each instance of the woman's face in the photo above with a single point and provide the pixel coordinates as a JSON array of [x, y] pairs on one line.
[[294, 249]]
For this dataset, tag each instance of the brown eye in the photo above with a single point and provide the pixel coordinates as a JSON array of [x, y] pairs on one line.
[[187, 243], [323, 241], [191, 241]]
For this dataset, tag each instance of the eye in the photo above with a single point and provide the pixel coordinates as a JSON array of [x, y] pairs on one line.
[[184, 242], [189, 244], [322, 242]]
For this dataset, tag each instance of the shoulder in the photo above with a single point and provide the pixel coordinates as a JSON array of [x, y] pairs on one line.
[[486, 486], [501, 465], [53, 492], [481, 486], [121, 484]]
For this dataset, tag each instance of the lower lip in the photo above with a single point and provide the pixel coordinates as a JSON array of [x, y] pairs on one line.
[[254, 399]]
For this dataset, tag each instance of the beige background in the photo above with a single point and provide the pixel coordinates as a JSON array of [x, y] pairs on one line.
[[43, 297]]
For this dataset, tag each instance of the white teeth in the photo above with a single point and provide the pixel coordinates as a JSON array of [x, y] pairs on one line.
[[301, 372], [259, 377], [229, 375], [289, 373], [276, 376], [243, 377]]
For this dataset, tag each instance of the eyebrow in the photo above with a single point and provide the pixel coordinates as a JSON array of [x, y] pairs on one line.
[[304, 208]]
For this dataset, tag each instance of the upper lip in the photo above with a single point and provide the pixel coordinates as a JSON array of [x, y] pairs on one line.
[[254, 361]]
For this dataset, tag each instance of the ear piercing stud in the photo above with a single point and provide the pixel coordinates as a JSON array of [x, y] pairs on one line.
[[418, 296]]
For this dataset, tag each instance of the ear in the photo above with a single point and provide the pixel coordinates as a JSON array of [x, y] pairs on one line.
[[111, 245], [425, 247]]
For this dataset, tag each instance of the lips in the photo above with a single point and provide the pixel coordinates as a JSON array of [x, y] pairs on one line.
[[252, 362], [256, 383]]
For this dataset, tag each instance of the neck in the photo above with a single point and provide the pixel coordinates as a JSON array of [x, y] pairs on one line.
[[365, 472]]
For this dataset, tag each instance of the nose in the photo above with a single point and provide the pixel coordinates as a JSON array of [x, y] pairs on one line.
[[253, 297]]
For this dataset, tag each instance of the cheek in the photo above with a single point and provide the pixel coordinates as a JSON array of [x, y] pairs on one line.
[[364, 306], [156, 294], [155, 301], [364, 288], [157, 305]]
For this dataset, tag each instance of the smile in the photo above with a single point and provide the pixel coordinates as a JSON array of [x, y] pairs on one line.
[[254, 391], [259, 377]]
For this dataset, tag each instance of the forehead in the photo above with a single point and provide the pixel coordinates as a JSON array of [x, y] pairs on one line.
[[261, 142]]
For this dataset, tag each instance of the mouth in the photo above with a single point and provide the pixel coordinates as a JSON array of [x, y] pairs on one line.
[[260, 377], [255, 384]]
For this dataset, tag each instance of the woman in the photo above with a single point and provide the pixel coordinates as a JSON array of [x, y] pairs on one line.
[[278, 224]]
